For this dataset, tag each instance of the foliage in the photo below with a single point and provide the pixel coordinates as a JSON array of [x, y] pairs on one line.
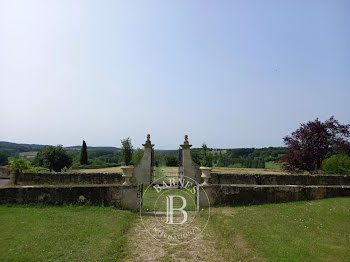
[[171, 160], [309, 145], [127, 150], [3, 159], [54, 158], [137, 156], [84, 154], [206, 157], [196, 156], [19, 164], [240, 157], [337, 164]]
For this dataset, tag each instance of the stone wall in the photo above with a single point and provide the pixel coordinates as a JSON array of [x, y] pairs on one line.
[[258, 194], [66, 178], [6, 173], [124, 197], [279, 179]]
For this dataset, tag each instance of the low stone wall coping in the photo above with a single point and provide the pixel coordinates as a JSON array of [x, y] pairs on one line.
[[279, 179], [67, 177]]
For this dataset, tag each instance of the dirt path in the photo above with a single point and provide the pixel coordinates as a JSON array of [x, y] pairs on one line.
[[143, 247]]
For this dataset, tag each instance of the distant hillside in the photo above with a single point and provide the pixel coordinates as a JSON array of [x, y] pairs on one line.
[[14, 149]]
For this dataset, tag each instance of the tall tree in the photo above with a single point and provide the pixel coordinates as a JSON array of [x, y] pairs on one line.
[[206, 156], [84, 154], [309, 145], [127, 150]]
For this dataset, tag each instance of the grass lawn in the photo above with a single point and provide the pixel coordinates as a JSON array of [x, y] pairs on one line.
[[156, 201], [273, 165], [298, 231], [63, 233]]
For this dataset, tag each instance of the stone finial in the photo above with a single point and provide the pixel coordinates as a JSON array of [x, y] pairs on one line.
[[148, 141], [186, 140], [186, 144]]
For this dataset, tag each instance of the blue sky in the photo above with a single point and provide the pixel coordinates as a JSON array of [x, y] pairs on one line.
[[230, 73]]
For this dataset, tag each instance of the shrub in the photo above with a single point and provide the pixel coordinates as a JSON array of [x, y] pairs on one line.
[[54, 158], [19, 164], [337, 164]]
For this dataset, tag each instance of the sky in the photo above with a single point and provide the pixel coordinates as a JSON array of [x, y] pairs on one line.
[[228, 73]]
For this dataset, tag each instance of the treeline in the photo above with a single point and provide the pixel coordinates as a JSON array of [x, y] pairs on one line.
[[109, 156], [239, 157], [98, 158], [242, 157]]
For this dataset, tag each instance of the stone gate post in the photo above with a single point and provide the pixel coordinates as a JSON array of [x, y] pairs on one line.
[[143, 171], [189, 168]]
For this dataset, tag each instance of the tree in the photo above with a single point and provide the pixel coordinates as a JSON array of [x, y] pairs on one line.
[[207, 157], [127, 150], [54, 158], [171, 160], [84, 154], [3, 159], [309, 145], [19, 164], [337, 164], [137, 156]]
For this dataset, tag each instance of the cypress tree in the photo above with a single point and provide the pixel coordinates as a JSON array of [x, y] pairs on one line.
[[83, 154]]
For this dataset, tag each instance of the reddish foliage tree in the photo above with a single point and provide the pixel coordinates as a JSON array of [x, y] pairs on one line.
[[309, 145]]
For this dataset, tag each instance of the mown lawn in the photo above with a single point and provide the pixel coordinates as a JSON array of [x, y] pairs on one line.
[[298, 231], [63, 233]]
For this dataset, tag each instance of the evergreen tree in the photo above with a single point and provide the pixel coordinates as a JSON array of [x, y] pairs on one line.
[[83, 154], [127, 151]]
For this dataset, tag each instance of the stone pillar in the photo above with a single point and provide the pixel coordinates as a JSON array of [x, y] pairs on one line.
[[189, 168], [144, 170]]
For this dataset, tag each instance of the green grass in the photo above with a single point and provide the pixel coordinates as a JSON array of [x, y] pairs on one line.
[[63, 233], [154, 201], [298, 231], [273, 165]]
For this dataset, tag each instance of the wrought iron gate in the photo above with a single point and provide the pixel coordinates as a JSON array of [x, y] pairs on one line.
[[139, 195], [152, 167]]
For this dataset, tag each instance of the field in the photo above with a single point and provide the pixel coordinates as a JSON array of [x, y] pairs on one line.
[[298, 231]]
